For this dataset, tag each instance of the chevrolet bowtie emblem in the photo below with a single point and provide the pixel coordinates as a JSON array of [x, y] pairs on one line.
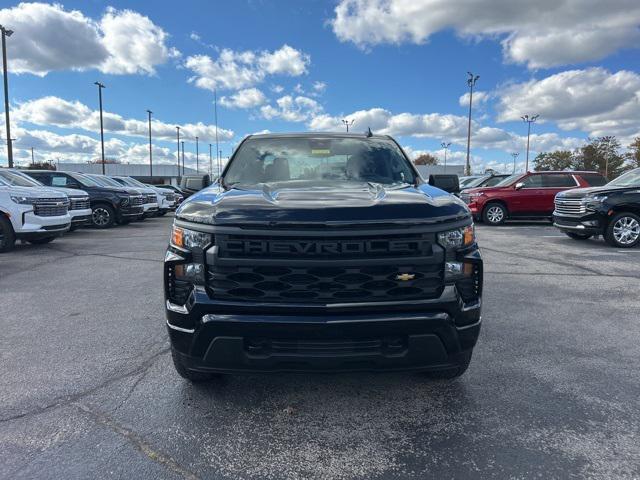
[[405, 277]]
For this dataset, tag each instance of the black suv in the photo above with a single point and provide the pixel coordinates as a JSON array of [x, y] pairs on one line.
[[612, 210], [108, 204], [322, 252]]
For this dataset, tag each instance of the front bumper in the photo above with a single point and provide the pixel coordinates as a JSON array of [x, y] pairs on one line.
[[128, 212], [590, 224], [80, 217], [150, 208], [218, 336], [29, 226]]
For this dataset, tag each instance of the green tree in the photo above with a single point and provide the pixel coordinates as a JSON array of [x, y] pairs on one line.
[[633, 155], [601, 154], [426, 159], [548, 161]]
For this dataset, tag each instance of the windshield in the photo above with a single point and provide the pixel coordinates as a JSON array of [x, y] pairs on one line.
[[509, 180], [474, 182], [103, 181], [321, 160], [17, 180], [86, 180], [135, 183], [629, 179]]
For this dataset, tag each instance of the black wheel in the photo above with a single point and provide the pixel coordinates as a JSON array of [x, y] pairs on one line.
[[7, 235], [494, 214], [578, 236], [190, 375], [453, 372], [623, 230], [103, 216], [41, 241]]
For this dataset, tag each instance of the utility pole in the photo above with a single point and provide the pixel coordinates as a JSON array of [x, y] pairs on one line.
[[471, 81], [182, 142], [32, 158], [150, 149], [515, 156], [215, 113], [6, 33], [210, 160], [178, 137], [197, 157], [528, 120], [446, 146], [100, 87], [348, 123]]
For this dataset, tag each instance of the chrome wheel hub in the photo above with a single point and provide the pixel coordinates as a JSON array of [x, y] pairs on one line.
[[626, 230], [100, 216], [495, 214]]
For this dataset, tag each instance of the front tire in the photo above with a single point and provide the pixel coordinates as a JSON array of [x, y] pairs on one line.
[[103, 216], [623, 230], [578, 236], [494, 214], [7, 235], [184, 372], [451, 373]]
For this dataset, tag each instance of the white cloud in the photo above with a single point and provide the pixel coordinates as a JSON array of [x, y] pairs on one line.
[[49, 38], [593, 100], [236, 70], [248, 98], [292, 109], [66, 114], [541, 34], [479, 97], [277, 88], [319, 86]]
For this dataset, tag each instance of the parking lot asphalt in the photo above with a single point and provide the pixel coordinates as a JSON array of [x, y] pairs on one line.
[[88, 389]]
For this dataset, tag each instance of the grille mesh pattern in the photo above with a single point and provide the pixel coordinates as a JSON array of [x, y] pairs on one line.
[[324, 284], [80, 203], [51, 207], [570, 207], [137, 201]]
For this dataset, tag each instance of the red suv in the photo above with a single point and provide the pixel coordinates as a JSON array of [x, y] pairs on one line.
[[525, 195]]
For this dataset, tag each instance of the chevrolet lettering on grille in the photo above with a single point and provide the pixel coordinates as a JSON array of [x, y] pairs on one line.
[[325, 247]]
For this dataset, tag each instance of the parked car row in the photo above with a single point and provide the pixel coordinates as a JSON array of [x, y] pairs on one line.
[[580, 203], [39, 205]]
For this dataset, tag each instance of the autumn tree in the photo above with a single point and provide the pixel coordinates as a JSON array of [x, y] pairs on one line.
[[601, 154], [426, 159], [633, 155], [549, 161]]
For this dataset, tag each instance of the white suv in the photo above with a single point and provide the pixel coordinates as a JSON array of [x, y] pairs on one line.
[[79, 203], [34, 215]]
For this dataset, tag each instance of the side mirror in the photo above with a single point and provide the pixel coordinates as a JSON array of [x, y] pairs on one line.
[[448, 183], [519, 185]]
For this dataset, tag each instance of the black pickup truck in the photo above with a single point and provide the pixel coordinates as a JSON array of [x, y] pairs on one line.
[[322, 252], [108, 204], [612, 210]]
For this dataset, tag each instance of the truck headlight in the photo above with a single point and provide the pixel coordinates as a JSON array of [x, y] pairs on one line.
[[594, 199], [23, 200], [458, 238], [188, 239]]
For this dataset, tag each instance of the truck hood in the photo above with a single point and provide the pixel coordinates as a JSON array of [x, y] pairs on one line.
[[121, 190], [583, 192], [344, 205], [70, 192], [35, 192]]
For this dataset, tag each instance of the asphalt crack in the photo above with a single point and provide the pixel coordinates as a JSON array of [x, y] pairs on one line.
[[64, 400], [137, 441]]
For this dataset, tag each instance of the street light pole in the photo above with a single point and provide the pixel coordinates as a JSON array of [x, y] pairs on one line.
[[150, 149], [471, 81], [182, 142], [515, 156], [215, 112], [210, 160], [6, 33], [32, 157], [446, 146], [528, 120], [100, 87], [178, 139], [348, 123], [197, 157]]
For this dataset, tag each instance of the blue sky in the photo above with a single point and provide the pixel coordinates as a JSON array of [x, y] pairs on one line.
[[396, 66]]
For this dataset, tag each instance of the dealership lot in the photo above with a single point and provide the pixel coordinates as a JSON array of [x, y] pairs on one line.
[[88, 389]]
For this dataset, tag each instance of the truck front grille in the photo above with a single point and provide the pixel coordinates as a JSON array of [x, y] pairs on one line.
[[329, 284], [51, 207], [79, 203], [137, 201], [150, 198], [566, 206]]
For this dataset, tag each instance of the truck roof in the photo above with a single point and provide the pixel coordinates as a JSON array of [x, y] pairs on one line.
[[317, 135]]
